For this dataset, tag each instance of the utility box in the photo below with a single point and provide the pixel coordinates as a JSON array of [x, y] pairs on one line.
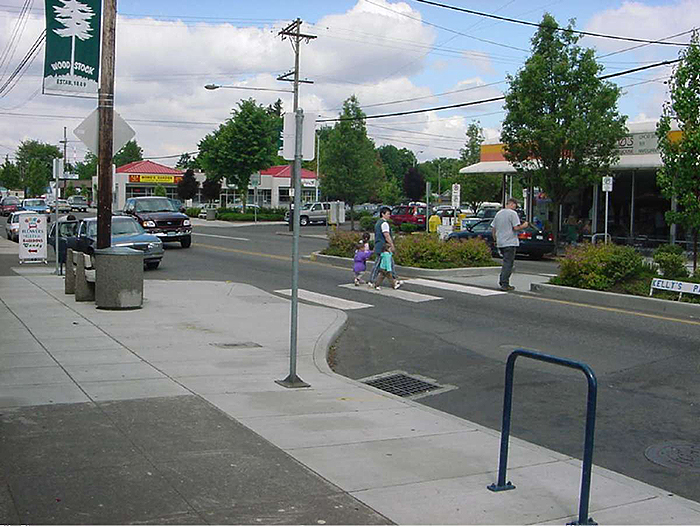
[[336, 214], [433, 223]]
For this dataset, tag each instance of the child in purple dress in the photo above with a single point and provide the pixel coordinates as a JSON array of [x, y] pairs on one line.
[[362, 254]]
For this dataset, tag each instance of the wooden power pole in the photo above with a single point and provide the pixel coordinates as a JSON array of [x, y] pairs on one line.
[[106, 127]]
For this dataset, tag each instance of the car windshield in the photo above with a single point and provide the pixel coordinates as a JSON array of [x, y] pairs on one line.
[[482, 226], [34, 202], [155, 205], [10, 201], [76, 198], [121, 226]]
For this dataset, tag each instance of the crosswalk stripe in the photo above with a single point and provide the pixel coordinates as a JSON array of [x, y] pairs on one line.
[[323, 299], [406, 295], [477, 291]]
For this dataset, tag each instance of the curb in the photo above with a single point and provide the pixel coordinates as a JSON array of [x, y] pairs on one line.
[[413, 272], [617, 301]]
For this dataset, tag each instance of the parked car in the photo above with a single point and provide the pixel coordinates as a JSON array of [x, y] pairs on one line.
[[63, 206], [12, 224], [534, 242], [35, 205], [159, 217], [312, 213], [78, 203], [126, 232], [9, 204], [414, 214], [67, 229]]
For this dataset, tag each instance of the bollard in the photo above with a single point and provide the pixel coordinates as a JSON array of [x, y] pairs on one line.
[[69, 281], [118, 278]]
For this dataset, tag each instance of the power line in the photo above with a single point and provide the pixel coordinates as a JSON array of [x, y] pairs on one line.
[[486, 101], [23, 65], [534, 24]]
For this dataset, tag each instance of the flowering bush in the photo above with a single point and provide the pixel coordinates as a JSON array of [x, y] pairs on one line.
[[343, 244], [428, 251]]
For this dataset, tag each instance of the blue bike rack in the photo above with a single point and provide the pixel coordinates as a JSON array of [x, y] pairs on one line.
[[501, 484]]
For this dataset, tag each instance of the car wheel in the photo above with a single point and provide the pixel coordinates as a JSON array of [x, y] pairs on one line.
[[185, 242], [303, 220], [152, 265]]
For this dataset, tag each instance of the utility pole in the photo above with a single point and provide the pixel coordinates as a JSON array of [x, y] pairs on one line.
[[65, 144], [293, 31], [106, 126]]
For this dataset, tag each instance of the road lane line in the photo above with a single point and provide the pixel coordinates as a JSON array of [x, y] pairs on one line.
[[477, 291], [220, 237], [327, 301], [405, 295], [612, 309]]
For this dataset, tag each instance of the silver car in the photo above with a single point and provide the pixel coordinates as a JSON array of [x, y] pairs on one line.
[[12, 224]]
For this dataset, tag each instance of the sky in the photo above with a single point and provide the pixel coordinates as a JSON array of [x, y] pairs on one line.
[[394, 56]]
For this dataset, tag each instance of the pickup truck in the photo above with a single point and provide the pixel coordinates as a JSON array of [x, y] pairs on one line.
[[312, 213]]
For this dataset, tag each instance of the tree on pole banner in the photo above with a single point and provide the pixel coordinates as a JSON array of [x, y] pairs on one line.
[[71, 63]]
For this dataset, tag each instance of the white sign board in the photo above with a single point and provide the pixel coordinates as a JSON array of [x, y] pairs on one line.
[[87, 132], [444, 231], [607, 184], [456, 197], [675, 286], [308, 139], [32, 237]]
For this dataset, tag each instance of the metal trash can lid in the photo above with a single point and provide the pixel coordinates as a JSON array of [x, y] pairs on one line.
[[117, 251]]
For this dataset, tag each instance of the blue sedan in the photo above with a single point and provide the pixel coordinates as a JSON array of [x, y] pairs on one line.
[[126, 232]]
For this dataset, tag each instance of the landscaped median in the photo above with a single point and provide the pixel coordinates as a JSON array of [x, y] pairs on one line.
[[418, 255], [618, 277]]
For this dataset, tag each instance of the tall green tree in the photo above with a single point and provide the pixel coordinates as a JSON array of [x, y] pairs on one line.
[[396, 161], [10, 175], [187, 162], [562, 124], [44, 153], [679, 177], [479, 188], [36, 177], [188, 186], [129, 153], [471, 153], [211, 189], [87, 169], [352, 169], [241, 146]]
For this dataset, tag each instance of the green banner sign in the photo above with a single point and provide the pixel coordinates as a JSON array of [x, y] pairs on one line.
[[72, 59]]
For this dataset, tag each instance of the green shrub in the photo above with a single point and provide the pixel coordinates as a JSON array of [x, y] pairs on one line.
[[409, 228], [234, 215], [671, 261], [427, 251], [342, 244], [367, 223], [599, 267], [193, 212]]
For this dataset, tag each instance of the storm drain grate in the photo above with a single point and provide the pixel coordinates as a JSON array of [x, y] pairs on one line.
[[405, 385], [681, 455]]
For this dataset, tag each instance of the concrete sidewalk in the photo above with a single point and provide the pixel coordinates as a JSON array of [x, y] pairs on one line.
[[170, 414]]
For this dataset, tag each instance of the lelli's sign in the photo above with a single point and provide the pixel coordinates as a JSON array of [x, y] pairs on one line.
[[152, 178]]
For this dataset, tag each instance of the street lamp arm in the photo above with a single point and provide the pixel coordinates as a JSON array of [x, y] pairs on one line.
[[217, 86]]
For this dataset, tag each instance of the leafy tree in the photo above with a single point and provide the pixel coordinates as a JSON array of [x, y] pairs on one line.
[[562, 123], [188, 186], [390, 192], [471, 153], [36, 177], [680, 175], [187, 162], [211, 189], [88, 168], [414, 184], [44, 153], [478, 188], [441, 173], [243, 145], [69, 190], [352, 170], [160, 191], [129, 153], [10, 176], [396, 161]]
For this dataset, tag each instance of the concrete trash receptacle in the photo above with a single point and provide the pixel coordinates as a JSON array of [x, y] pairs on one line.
[[118, 278], [211, 214]]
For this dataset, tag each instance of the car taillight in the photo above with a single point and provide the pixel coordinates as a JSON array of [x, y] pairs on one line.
[[524, 235], [550, 237]]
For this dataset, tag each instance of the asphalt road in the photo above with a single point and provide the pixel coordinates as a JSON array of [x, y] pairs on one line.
[[646, 365]]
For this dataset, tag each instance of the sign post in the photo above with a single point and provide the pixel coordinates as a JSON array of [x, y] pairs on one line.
[[607, 188]]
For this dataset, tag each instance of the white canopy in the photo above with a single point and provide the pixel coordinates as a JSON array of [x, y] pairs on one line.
[[649, 161]]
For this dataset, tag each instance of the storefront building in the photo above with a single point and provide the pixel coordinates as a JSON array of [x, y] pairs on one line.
[[636, 207], [274, 188]]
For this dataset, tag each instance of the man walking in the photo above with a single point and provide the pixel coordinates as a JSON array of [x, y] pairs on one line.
[[504, 227], [382, 236]]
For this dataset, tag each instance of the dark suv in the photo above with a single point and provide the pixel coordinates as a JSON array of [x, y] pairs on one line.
[[159, 217]]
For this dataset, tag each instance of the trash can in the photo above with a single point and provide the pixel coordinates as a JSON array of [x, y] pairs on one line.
[[118, 278], [211, 214]]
